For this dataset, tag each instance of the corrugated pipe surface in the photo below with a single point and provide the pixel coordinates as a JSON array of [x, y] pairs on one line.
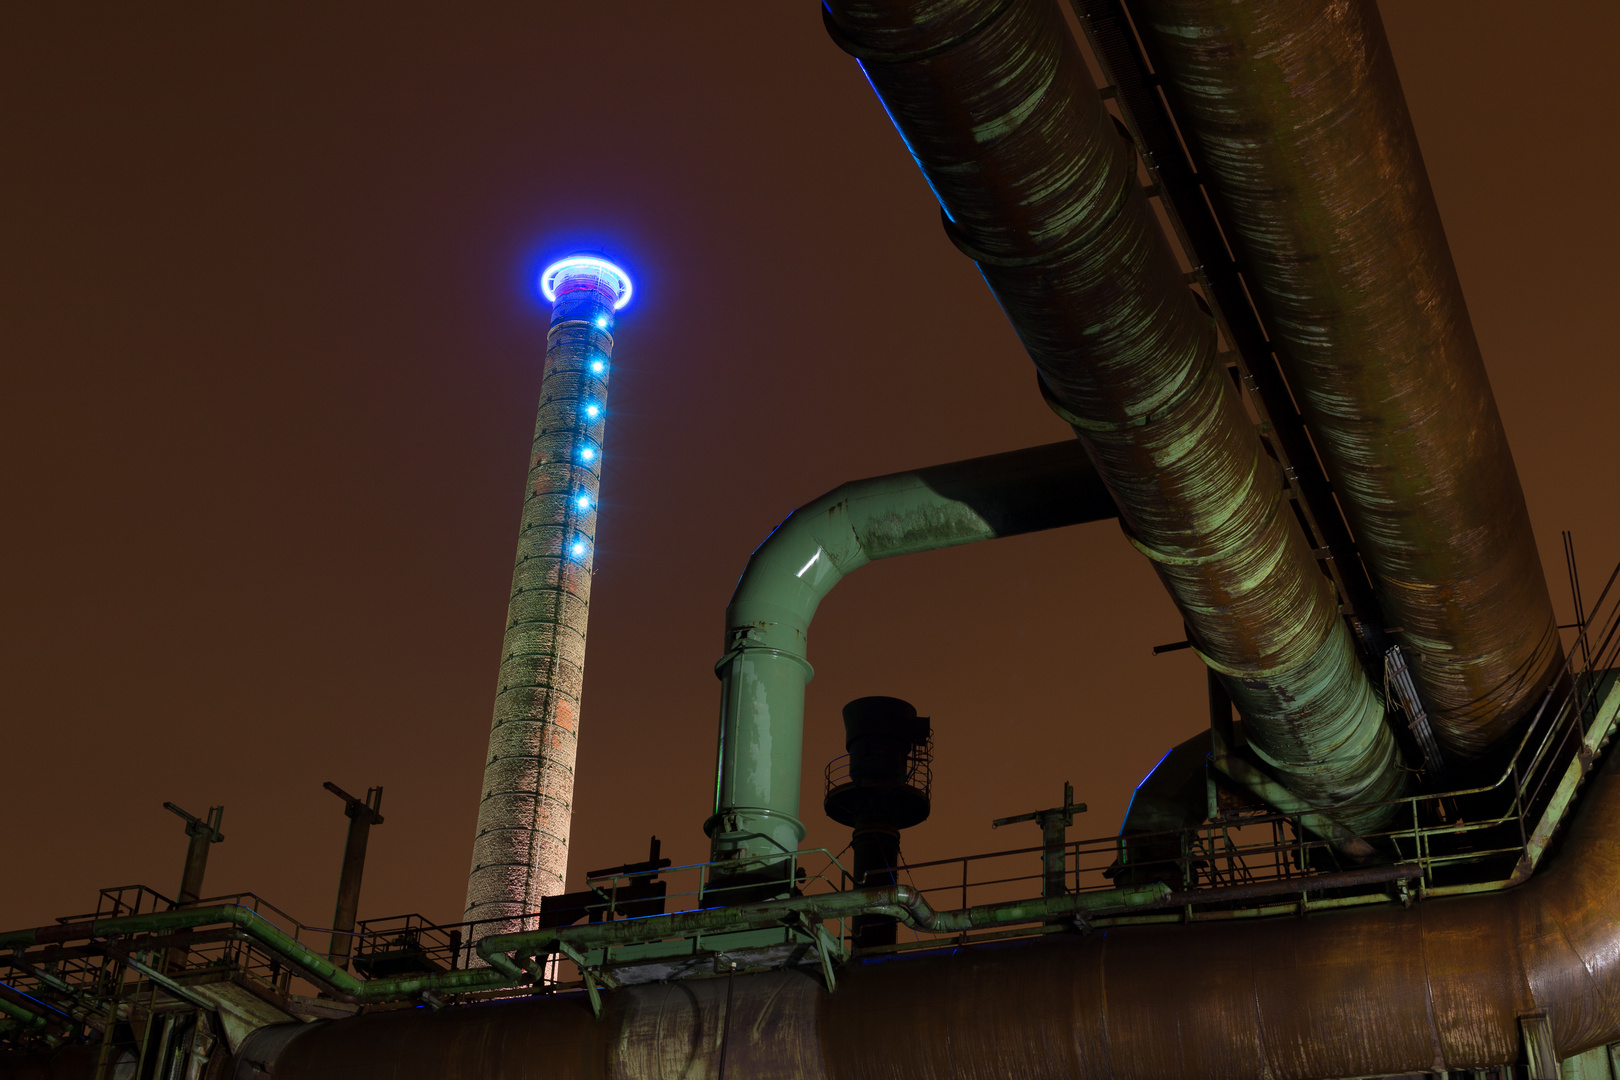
[[995, 103], [1296, 116], [1369, 992]]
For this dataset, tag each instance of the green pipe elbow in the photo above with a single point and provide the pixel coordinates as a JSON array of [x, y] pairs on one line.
[[765, 667]]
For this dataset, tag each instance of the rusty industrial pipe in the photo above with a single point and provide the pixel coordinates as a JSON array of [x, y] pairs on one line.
[[1040, 189], [1364, 992], [1301, 133]]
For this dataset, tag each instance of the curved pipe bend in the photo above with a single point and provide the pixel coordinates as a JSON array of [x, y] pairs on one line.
[[764, 669]]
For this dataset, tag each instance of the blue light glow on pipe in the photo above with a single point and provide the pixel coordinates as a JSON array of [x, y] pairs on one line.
[[593, 411], [598, 367], [581, 265]]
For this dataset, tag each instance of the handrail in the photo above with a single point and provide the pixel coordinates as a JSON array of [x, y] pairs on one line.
[[510, 956], [1586, 713]]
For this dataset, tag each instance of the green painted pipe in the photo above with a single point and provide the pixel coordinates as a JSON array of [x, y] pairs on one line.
[[764, 670], [26, 1017], [256, 927], [903, 902], [249, 921], [1251, 777]]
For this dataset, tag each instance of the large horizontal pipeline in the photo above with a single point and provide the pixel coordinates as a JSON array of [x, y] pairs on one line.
[[1360, 992], [1295, 115], [996, 105]]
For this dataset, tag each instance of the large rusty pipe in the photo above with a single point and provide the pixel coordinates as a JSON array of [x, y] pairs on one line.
[[995, 103], [1364, 992], [1296, 117]]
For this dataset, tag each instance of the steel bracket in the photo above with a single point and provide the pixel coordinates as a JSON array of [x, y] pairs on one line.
[[1540, 1053], [829, 950], [591, 989]]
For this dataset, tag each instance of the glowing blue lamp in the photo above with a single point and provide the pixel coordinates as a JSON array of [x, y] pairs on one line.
[[586, 266]]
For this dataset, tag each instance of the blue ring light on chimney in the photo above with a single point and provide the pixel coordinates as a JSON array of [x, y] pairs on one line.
[[579, 265]]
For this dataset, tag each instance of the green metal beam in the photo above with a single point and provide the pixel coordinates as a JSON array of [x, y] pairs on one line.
[[1574, 775], [25, 1017]]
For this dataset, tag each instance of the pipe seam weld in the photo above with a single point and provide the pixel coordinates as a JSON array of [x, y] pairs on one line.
[[748, 651]]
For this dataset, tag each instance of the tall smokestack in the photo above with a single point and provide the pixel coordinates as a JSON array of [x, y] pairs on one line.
[[520, 852]]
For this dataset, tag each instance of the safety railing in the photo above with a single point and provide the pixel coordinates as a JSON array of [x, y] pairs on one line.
[[918, 770], [1244, 862], [1479, 838], [411, 943]]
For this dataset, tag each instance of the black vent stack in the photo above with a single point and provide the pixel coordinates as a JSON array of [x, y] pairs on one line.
[[879, 787]]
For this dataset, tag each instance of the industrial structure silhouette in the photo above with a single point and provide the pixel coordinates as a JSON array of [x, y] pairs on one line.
[[1393, 851]]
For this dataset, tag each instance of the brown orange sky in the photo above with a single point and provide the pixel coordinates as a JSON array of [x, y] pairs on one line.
[[271, 354]]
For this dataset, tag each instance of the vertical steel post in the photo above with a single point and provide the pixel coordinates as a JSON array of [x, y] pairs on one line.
[[520, 852], [1054, 825], [202, 833], [362, 814]]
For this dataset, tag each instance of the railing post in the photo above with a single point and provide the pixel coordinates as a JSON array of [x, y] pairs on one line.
[[1420, 846], [1518, 807]]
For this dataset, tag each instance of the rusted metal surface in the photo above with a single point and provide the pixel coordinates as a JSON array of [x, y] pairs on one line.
[[676, 1030], [1118, 54], [666, 1031], [1296, 118], [520, 851], [482, 1041], [995, 103], [1369, 992], [1437, 986]]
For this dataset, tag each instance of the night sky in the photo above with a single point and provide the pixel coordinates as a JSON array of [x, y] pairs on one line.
[[269, 355]]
